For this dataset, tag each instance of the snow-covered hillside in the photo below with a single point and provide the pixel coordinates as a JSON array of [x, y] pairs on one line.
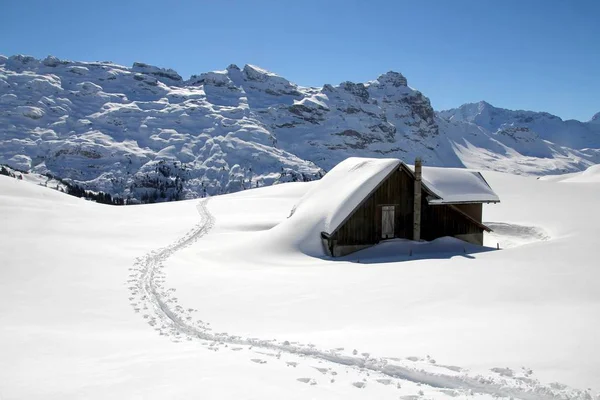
[[524, 142], [202, 299], [135, 132], [146, 133]]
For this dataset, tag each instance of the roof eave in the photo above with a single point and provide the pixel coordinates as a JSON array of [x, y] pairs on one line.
[[435, 202]]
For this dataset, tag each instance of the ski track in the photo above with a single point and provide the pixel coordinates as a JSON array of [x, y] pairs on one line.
[[160, 308]]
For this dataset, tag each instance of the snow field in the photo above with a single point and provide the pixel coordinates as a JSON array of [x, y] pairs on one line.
[[506, 306], [357, 328]]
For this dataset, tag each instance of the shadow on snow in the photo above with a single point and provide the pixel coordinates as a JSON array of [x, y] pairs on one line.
[[398, 250]]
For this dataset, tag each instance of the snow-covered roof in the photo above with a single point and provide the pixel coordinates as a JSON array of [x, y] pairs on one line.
[[457, 185], [344, 188]]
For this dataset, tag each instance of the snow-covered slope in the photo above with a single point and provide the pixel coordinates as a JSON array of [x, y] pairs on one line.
[[146, 133], [203, 299], [135, 132], [526, 125], [527, 142]]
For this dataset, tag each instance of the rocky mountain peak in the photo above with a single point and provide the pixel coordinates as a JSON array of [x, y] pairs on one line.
[[256, 79], [395, 79], [52, 61], [164, 73], [214, 78], [483, 105], [254, 73], [357, 89], [21, 62], [596, 118], [469, 112]]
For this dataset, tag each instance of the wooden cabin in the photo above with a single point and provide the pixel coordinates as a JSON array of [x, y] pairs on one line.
[[393, 200]]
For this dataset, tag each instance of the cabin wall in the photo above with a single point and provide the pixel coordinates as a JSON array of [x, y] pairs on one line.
[[443, 220], [364, 226], [474, 210]]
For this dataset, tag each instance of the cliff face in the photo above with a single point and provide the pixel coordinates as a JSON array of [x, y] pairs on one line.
[[145, 132]]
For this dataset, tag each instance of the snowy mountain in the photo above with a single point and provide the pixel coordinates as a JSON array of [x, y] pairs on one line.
[[524, 142], [147, 134], [136, 132], [527, 125]]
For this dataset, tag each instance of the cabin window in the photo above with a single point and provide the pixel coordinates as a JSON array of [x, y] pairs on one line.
[[387, 222]]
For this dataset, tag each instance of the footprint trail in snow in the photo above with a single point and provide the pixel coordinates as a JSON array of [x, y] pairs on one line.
[[159, 306]]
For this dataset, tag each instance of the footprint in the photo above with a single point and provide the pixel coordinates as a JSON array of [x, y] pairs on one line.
[[291, 364], [451, 367], [307, 380], [359, 385], [258, 361], [450, 392]]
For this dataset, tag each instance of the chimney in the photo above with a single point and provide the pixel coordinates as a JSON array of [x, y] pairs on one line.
[[417, 201]]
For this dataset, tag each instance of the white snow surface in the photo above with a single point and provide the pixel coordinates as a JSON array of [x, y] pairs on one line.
[[590, 175], [204, 299]]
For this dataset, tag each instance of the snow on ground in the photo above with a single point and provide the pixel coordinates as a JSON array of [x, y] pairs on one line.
[[191, 299], [590, 175]]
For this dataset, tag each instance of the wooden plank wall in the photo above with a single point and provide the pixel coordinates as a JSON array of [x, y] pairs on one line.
[[474, 211], [442, 220]]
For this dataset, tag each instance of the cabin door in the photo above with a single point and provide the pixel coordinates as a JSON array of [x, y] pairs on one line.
[[387, 222]]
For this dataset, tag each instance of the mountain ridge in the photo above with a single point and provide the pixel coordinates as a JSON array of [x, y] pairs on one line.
[[145, 132], [485, 103], [50, 59]]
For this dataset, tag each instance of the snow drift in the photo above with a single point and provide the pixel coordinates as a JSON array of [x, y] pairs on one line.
[[276, 323]]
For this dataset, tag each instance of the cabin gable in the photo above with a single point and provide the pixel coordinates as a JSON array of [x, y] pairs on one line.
[[363, 228]]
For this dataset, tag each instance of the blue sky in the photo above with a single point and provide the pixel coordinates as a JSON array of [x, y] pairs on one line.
[[541, 55]]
